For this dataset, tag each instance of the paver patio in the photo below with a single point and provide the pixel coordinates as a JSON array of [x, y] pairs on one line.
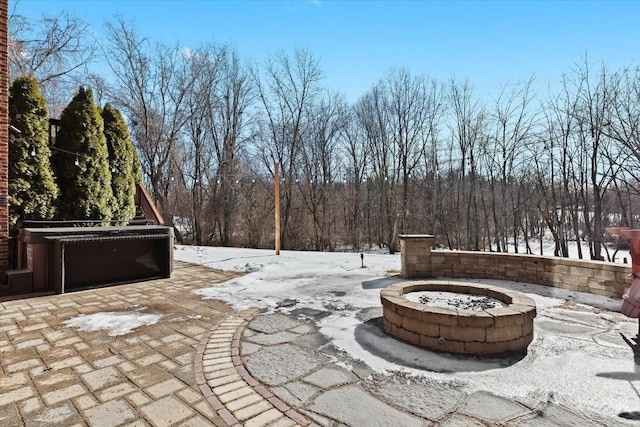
[[203, 364], [52, 374]]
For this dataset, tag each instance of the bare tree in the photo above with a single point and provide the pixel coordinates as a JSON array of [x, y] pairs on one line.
[[289, 87], [355, 157], [624, 129], [372, 114], [399, 119], [624, 126], [327, 118], [229, 126], [512, 120], [552, 159], [467, 132], [200, 166], [255, 207], [414, 105], [597, 159], [151, 88], [53, 51]]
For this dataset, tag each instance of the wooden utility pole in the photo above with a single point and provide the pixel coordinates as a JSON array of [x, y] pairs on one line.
[[276, 177]]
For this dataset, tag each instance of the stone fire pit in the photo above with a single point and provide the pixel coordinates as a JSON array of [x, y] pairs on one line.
[[455, 330]]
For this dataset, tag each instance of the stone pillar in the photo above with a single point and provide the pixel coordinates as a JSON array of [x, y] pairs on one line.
[[415, 257], [4, 135]]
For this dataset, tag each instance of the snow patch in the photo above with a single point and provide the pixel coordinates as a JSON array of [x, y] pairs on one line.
[[451, 299], [115, 323], [248, 267]]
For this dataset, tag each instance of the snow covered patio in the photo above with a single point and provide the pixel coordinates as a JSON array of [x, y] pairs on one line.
[[168, 352], [577, 366]]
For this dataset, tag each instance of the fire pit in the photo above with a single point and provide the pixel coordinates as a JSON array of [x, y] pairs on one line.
[[479, 329]]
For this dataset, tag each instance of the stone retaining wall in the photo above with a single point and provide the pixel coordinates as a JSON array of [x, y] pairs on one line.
[[418, 260]]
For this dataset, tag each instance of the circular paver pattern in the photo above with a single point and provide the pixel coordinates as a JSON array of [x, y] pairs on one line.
[[232, 392], [252, 378]]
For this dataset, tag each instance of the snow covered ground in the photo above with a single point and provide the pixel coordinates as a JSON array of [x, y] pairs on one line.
[[548, 247], [578, 357], [114, 323]]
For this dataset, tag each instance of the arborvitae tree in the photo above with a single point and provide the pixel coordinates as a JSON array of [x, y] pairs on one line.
[[124, 163], [32, 187], [82, 161]]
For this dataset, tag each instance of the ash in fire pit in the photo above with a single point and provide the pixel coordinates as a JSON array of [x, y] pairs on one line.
[[456, 300]]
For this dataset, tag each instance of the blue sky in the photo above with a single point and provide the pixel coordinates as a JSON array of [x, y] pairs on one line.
[[489, 42]]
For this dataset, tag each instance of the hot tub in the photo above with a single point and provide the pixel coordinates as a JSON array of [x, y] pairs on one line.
[[66, 258]]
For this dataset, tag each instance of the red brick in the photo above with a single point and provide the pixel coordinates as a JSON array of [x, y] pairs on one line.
[[279, 404], [4, 133], [227, 417]]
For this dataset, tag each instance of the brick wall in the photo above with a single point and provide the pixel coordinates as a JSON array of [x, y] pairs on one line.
[[4, 135]]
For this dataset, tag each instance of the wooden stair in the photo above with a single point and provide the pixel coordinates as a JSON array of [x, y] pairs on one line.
[[146, 211]]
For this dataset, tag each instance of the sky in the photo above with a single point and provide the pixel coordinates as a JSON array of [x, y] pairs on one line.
[[357, 42]]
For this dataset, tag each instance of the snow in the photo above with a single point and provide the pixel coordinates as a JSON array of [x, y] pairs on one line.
[[577, 358], [451, 299], [622, 256], [115, 323]]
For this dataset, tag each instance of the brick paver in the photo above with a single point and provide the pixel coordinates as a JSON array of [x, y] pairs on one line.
[[52, 375], [237, 397]]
